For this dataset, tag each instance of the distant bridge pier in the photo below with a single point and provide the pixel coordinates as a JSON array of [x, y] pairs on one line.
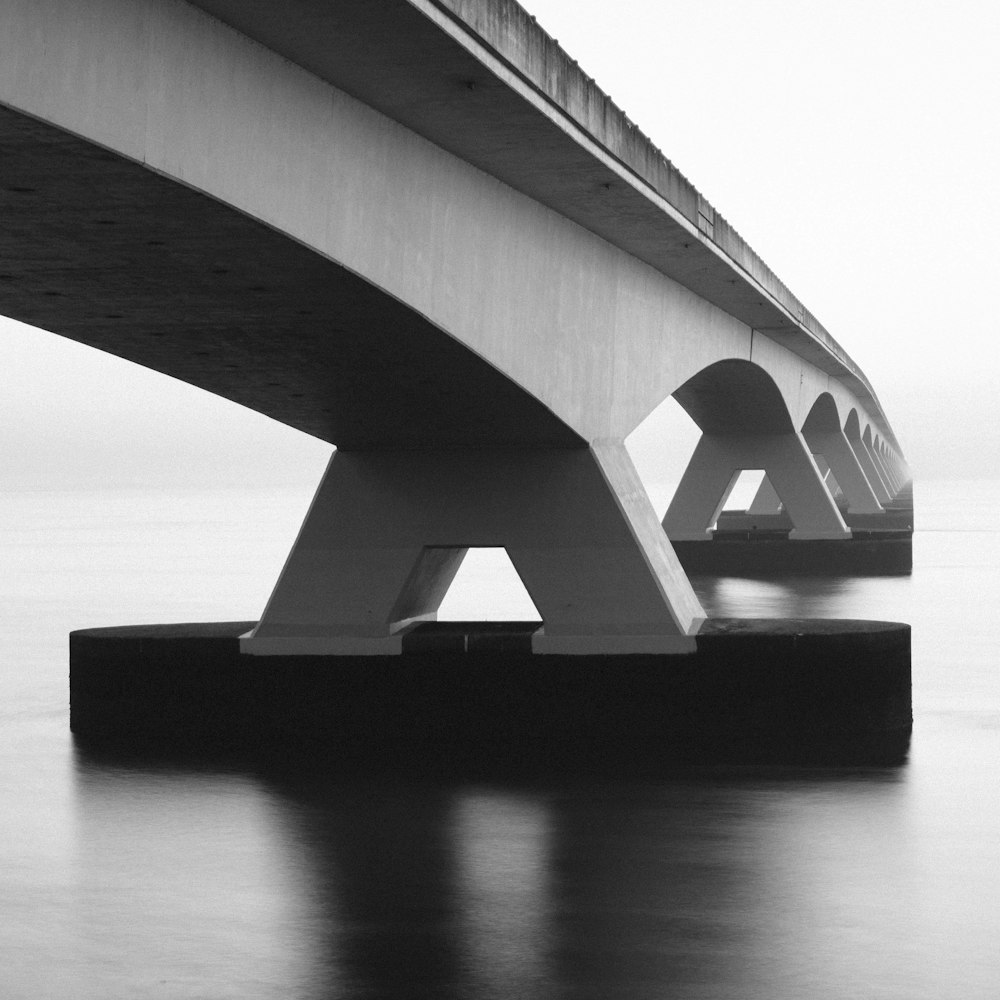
[[825, 437], [894, 480], [861, 451], [903, 472], [766, 500], [842, 473], [777, 533], [880, 467], [790, 467], [387, 532]]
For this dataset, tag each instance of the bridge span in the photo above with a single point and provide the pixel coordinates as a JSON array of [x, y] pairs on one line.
[[417, 230]]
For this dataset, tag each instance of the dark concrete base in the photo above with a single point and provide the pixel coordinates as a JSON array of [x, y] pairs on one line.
[[473, 696], [764, 553], [757, 545]]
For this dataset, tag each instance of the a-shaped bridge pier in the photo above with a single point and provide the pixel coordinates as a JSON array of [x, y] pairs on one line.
[[830, 501], [387, 532]]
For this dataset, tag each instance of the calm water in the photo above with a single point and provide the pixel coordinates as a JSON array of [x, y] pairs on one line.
[[131, 882]]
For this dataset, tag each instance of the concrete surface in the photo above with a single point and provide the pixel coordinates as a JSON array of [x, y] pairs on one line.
[[387, 531], [473, 696], [163, 85]]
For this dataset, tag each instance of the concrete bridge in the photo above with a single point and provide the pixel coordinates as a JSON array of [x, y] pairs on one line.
[[417, 230]]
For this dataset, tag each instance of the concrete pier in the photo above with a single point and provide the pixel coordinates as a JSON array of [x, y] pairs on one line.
[[474, 696], [762, 552], [754, 544]]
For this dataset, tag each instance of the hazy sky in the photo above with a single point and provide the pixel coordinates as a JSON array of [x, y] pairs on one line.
[[854, 145]]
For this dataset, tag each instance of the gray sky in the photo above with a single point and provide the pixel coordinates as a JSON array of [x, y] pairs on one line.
[[855, 146]]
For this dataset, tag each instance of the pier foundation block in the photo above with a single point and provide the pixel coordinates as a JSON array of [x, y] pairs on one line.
[[473, 695]]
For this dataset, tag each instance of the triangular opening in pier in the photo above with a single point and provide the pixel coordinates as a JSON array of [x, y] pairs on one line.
[[745, 490], [660, 449], [753, 504], [487, 588], [830, 481], [751, 495]]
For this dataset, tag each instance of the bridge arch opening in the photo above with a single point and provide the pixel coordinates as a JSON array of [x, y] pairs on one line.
[[859, 442], [822, 433], [487, 587], [748, 493], [852, 426], [823, 416], [746, 427], [735, 397]]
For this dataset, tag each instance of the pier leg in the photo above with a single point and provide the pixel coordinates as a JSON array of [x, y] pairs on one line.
[[875, 481], [766, 500], [836, 450], [717, 461], [387, 531], [829, 479], [887, 467], [876, 465], [876, 452]]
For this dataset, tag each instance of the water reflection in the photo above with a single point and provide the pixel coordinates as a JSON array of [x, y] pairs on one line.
[[186, 878], [709, 883], [424, 891], [125, 878], [503, 844], [384, 875], [706, 887], [796, 596]]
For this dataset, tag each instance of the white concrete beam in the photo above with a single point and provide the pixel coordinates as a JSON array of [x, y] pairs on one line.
[[581, 324]]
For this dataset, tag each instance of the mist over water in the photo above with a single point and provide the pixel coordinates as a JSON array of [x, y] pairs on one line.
[[120, 878]]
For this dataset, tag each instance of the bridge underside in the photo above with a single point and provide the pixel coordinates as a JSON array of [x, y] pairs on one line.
[[108, 253]]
